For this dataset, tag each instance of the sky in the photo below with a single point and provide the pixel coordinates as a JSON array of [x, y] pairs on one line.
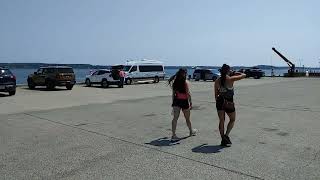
[[177, 32]]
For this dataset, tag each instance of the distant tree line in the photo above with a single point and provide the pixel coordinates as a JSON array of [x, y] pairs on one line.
[[89, 66], [38, 65]]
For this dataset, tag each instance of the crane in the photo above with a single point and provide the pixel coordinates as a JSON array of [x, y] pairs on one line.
[[290, 64]]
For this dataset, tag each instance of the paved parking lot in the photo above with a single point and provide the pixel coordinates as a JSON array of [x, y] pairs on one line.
[[95, 133]]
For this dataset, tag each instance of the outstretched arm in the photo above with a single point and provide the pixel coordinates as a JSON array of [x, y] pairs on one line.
[[238, 76]]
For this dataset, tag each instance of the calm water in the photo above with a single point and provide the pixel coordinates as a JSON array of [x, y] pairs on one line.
[[22, 74]]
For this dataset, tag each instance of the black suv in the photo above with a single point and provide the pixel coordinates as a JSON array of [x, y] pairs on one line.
[[7, 81], [254, 72]]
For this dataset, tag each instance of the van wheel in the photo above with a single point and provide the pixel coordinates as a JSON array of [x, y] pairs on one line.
[[31, 84], [104, 83], [11, 93], [50, 85], [128, 81], [156, 79], [196, 79], [88, 82], [214, 78]]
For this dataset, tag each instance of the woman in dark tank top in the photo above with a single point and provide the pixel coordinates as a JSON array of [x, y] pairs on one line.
[[224, 92]]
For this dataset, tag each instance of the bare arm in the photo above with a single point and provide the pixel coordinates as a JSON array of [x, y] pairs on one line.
[[216, 89], [238, 76], [189, 93]]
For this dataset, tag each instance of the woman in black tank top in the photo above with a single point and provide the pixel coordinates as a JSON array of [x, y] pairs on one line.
[[224, 92]]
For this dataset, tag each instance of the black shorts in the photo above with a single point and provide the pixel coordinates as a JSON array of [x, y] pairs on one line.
[[181, 103], [219, 105]]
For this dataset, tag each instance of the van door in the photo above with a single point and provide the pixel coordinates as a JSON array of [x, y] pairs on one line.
[[134, 72]]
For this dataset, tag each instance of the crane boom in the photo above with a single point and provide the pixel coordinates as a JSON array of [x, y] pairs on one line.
[[290, 64]]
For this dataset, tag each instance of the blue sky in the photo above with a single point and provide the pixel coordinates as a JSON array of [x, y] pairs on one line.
[[178, 32]]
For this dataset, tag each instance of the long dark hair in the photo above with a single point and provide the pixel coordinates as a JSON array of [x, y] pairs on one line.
[[224, 71], [179, 81]]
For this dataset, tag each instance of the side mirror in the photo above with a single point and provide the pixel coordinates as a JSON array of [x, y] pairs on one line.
[[35, 73]]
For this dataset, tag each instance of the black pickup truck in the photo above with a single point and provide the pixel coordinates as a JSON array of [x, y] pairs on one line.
[[7, 81], [254, 72]]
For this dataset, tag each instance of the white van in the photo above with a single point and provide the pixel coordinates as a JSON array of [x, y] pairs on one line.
[[143, 70]]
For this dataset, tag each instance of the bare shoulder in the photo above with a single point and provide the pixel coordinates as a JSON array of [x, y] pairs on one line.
[[217, 82], [188, 82]]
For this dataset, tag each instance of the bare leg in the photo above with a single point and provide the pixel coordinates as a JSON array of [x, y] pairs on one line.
[[221, 115], [232, 117], [186, 114], [176, 114]]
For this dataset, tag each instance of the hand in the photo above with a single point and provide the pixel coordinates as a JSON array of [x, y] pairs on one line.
[[190, 106]]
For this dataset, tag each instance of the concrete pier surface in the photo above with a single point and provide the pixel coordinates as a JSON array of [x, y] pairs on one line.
[[95, 133]]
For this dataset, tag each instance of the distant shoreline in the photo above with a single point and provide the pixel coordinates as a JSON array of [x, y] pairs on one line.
[[89, 66]]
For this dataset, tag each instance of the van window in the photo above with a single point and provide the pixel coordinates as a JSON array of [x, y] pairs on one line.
[[126, 68], [148, 68], [133, 69]]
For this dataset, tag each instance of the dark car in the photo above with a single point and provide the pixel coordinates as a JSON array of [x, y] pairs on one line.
[[7, 81], [205, 74], [52, 76], [254, 72]]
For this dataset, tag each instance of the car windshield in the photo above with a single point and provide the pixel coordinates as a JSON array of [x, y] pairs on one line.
[[5, 72], [126, 68]]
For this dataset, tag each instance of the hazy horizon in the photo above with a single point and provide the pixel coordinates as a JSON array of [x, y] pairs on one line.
[[192, 33]]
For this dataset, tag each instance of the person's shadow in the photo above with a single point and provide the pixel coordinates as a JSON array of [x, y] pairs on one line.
[[206, 149], [165, 141]]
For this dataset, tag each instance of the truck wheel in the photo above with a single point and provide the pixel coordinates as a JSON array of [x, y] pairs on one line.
[[11, 93], [69, 86], [104, 83], [88, 82], [31, 84], [128, 81], [156, 79], [50, 85]]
